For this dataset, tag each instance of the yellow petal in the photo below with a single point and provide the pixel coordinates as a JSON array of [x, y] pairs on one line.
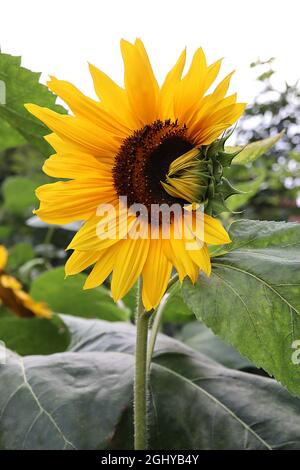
[[79, 131], [80, 260], [208, 134], [113, 97], [9, 282], [3, 256], [103, 267], [83, 106], [191, 88], [214, 232], [63, 146], [201, 257], [168, 88], [206, 228], [140, 83], [156, 274], [66, 201], [128, 265], [99, 233], [76, 166], [221, 89]]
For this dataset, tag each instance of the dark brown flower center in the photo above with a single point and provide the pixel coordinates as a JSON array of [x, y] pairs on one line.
[[143, 161]]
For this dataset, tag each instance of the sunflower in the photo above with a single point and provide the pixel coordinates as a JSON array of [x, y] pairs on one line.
[[14, 297], [149, 145]]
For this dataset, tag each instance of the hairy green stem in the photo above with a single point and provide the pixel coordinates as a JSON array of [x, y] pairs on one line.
[[141, 375]]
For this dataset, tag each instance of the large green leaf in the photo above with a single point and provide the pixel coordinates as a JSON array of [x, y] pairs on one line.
[[66, 295], [82, 399], [22, 86], [252, 299], [29, 336], [248, 189], [19, 254], [199, 337], [9, 137], [254, 150], [19, 194]]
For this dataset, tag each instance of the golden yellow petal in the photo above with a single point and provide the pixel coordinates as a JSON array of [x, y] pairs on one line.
[[3, 257], [103, 267], [66, 201], [80, 260], [10, 282], [79, 131], [140, 83], [201, 258], [113, 98], [191, 88], [99, 233], [156, 274], [214, 232], [128, 265], [63, 146], [168, 88], [83, 106], [76, 166]]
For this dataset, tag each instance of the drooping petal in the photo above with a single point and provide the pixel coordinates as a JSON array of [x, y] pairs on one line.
[[128, 265], [156, 274], [80, 260], [101, 232], [103, 267], [208, 229], [201, 258]]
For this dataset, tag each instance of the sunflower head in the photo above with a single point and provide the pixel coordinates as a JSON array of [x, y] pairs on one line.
[[153, 146]]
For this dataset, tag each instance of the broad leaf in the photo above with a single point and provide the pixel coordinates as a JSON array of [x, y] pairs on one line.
[[9, 137], [19, 254], [252, 299], [22, 86], [249, 189], [29, 336], [66, 295], [12, 189], [83, 399], [253, 150], [199, 337]]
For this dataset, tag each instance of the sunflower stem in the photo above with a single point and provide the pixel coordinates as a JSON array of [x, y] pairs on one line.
[[141, 375]]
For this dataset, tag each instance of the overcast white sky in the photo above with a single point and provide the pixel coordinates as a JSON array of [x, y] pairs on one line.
[[59, 37]]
